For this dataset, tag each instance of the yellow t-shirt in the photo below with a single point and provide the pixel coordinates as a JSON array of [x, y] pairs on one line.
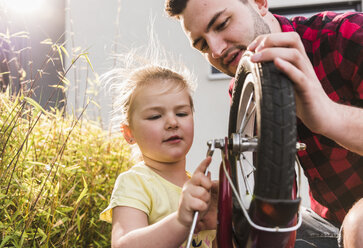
[[143, 189]]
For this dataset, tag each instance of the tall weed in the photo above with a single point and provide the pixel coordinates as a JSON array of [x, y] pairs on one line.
[[56, 175], [57, 170]]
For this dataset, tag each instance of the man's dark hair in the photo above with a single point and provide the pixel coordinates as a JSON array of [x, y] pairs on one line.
[[175, 7]]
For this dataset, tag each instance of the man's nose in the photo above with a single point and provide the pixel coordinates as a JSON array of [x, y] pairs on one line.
[[217, 47]]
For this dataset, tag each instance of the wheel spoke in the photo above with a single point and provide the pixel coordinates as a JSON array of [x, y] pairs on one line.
[[250, 164], [242, 129], [247, 185], [248, 190], [247, 107]]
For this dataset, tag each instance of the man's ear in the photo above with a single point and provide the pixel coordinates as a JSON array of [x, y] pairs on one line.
[[262, 6], [126, 131]]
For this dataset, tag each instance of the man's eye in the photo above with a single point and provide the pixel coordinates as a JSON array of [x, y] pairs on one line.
[[222, 25], [204, 46]]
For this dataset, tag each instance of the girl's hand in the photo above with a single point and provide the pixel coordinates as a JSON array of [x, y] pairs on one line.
[[209, 221], [196, 195]]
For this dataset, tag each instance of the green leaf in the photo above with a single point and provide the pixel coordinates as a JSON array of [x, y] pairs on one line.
[[85, 55], [41, 232], [65, 81], [47, 42], [5, 240], [78, 222], [96, 104], [60, 53], [34, 104], [84, 191], [64, 209], [64, 51], [37, 163], [57, 86], [21, 34]]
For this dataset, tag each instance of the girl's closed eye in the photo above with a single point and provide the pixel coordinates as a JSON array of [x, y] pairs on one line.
[[182, 114], [153, 117]]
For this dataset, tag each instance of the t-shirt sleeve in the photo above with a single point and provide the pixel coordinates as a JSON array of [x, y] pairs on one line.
[[131, 191]]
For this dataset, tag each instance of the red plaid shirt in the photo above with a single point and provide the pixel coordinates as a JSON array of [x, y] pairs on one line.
[[333, 43]]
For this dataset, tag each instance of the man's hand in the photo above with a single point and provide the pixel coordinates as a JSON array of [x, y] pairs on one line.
[[314, 107], [341, 123]]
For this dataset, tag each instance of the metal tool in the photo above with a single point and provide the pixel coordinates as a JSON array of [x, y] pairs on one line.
[[211, 148]]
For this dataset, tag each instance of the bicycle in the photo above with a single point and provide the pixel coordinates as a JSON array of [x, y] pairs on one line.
[[259, 210]]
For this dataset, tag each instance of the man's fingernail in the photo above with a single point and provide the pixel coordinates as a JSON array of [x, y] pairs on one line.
[[252, 46], [256, 57]]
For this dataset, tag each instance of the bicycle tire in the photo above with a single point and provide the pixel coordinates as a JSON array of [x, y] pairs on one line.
[[275, 128]]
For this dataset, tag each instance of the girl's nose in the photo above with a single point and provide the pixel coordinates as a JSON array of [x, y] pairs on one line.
[[171, 122]]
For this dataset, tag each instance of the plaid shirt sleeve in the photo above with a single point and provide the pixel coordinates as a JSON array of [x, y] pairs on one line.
[[333, 43]]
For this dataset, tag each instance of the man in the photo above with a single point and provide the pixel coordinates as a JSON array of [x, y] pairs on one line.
[[323, 58]]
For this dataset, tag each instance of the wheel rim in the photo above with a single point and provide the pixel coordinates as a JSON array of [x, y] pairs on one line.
[[262, 152], [247, 126]]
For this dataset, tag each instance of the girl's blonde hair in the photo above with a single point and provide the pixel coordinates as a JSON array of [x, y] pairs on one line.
[[144, 76], [137, 69]]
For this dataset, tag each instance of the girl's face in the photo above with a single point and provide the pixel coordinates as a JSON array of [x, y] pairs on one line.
[[161, 121]]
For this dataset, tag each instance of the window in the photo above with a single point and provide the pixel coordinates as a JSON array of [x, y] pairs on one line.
[[215, 74], [310, 10]]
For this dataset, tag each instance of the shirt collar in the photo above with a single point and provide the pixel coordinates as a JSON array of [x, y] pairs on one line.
[[286, 24]]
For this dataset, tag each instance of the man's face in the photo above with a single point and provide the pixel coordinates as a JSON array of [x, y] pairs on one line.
[[222, 30]]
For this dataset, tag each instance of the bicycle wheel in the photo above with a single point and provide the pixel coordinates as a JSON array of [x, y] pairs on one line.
[[263, 120]]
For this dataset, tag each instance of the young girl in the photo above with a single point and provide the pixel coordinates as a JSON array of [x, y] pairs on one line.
[[153, 203]]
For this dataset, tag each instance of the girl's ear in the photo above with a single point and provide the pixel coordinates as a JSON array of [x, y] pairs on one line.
[[262, 6], [126, 131]]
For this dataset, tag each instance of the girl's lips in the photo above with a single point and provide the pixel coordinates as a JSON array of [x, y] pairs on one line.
[[173, 139]]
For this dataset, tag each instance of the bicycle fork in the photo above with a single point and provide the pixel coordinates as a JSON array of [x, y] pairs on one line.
[[266, 229]]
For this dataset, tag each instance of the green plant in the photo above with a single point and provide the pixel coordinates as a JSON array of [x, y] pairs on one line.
[[56, 175], [57, 170]]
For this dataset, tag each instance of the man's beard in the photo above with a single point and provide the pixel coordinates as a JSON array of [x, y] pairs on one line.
[[261, 28]]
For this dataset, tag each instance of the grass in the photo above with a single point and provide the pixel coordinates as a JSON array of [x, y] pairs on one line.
[[57, 170], [56, 175]]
